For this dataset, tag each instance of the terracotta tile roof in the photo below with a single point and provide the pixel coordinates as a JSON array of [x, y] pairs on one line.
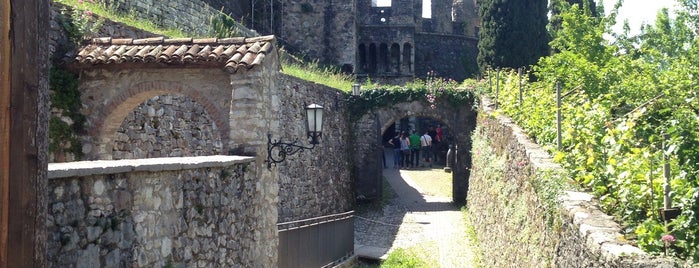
[[230, 53]]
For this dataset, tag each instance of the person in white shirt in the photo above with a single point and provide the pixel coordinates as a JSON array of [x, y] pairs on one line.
[[426, 144]]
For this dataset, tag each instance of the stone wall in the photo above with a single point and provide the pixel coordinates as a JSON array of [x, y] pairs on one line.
[[192, 17], [450, 56], [167, 126], [195, 212], [110, 98], [509, 190], [58, 37], [314, 182], [322, 30]]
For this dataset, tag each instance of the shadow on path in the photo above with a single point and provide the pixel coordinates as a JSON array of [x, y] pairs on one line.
[[409, 218]]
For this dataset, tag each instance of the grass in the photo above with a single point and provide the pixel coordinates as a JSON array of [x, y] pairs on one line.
[[327, 76], [472, 237], [106, 12], [434, 181], [411, 257]]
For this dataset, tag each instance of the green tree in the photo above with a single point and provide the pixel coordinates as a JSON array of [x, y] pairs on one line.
[[558, 6], [513, 33]]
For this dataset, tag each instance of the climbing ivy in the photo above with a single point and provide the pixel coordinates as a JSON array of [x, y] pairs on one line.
[[65, 103], [428, 92]]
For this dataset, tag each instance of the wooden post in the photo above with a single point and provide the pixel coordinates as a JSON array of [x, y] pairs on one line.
[[5, 95], [497, 87], [558, 116], [519, 70], [23, 132]]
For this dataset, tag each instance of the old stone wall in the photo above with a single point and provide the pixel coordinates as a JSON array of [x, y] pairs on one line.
[[167, 126], [322, 30], [507, 196], [193, 17], [59, 39], [314, 182], [400, 13], [163, 212], [450, 56]]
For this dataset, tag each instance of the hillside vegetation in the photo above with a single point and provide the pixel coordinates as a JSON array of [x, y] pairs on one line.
[[629, 109]]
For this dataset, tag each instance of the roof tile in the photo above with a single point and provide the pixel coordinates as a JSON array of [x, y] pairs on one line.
[[152, 40], [123, 41], [229, 53]]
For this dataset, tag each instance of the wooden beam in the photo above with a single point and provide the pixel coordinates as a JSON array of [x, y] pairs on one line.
[[4, 127], [25, 62]]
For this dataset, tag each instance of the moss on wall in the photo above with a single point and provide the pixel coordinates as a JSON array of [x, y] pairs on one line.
[[66, 119]]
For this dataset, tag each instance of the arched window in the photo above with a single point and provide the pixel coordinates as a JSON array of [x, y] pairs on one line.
[[395, 58], [384, 65], [408, 57], [372, 58], [361, 61]]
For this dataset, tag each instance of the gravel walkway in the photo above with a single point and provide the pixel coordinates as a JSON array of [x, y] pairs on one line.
[[410, 219]]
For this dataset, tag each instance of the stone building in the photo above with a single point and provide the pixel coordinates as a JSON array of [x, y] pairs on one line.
[[389, 41]]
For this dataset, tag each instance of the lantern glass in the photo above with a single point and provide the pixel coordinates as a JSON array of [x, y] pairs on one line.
[[314, 123], [355, 89]]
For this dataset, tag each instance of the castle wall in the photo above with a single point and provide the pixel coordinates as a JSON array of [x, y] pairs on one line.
[[322, 30], [396, 43], [449, 56]]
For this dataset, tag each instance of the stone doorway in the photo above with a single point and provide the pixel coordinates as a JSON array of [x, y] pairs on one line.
[[369, 132], [422, 124]]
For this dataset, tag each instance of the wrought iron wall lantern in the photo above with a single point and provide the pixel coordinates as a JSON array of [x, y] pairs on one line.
[[356, 88], [278, 150]]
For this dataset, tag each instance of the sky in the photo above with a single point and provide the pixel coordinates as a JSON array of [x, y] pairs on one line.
[[638, 12]]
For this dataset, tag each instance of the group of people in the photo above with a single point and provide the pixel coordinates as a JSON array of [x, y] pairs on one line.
[[407, 149]]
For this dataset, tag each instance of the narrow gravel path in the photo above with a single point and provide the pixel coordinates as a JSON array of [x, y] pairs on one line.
[[413, 219]]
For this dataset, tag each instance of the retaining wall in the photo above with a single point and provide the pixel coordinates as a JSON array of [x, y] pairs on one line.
[[193, 17], [192, 211], [508, 216]]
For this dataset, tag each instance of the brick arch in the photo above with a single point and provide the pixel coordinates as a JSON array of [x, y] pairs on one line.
[[116, 108], [371, 126]]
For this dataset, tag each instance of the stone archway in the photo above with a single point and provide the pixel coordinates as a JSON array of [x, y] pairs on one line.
[[368, 146], [106, 114], [171, 125], [421, 124]]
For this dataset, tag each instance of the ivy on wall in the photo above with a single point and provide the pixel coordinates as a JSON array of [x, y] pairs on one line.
[[427, 91], [66, 119]]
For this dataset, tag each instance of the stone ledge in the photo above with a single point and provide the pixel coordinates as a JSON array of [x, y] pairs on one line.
[[101, 167], [601, 236]]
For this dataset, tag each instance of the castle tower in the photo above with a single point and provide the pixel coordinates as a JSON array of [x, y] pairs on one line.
[[391, 41]]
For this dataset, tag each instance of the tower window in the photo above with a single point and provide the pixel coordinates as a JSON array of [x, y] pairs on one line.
[[427, 9], [380, 3]]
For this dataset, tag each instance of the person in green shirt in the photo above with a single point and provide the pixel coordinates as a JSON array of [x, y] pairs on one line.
[[414, 149]]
